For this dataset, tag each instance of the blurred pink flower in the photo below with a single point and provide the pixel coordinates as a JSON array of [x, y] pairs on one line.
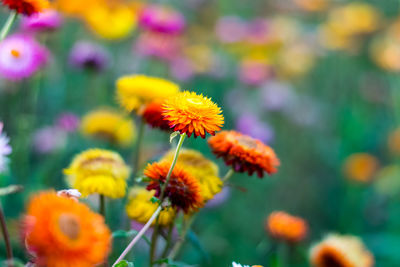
[[276, 95], [48, 20], [162, 46], [257, 31], [5, 149], [21, 56], [230, 29], [162, 19], [90, 56], [49, 139], [254, 72], [181, 69], [68, 122]]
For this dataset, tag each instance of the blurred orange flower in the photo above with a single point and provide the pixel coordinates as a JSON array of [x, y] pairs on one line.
[[190, 113], [60, 232], [361, 167], [26, 7], [284, 226], [183, 189], [244, 153], [153, 115], [337, 250]]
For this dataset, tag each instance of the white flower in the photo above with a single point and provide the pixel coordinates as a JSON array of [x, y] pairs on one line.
[[234, 264], [5, 149]]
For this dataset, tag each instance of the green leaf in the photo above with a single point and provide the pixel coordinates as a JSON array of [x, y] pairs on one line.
[[154, 200], [124, 263], [12, 189], [171, 263], [126, 234], [142, 179], [172, 136]]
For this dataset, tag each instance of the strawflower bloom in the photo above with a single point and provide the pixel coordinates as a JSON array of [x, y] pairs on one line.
[[90, 56], [190, 113], [60, 231], [110, 126], [5, 149], [153, 115], [48, 20], [26, 7], [140, 208], [21, 56], [98, 171], [162, 19], [283, 226], [341, 251], [137, 90], [244, 153], [204, 170], [113, 21], [361, 167], [183, 189]]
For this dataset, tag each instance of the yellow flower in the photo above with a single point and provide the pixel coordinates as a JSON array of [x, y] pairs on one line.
[[98, 171], [111, 21], [137, 90], [204, 170], [140, 208], [295, 60], [337, 250], [109, 125], [361, 167]]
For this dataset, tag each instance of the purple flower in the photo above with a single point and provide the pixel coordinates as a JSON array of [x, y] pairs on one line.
[[230, 29], [5, 149], [219, 198], [91, 56], [49, 139], [162, 19], [68, 122], [181, 69], [48, 20], [21, 56], [276, 95], [251, 125]]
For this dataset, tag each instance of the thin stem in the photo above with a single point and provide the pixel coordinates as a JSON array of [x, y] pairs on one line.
[[102, 205], [283, 254], [178, 245], [228, 175], [169, 237], [7, 26], [162, 196], [138, 147], [139, 235], [6, 237]]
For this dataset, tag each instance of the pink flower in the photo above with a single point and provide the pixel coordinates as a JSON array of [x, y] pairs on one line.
[[159, 45], [21, 56], [48, 20], [230, 29], [49, 139], [162, 19], [254, 72], [68, 122]]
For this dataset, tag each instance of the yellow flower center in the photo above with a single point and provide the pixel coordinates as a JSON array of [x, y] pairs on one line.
[[69, 226], [15, 53]]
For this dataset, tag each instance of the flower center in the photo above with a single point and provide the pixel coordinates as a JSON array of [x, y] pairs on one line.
[[15, 53], [247, 142], [69, 226], [195, 101], [330, 261]]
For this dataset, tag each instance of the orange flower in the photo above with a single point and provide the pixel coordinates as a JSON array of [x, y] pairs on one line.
[[342, 251], [244, 153], [183, 189], [361, 167], [61, 232], [284, 226], [153, 115], [26, 7], [190, 113]]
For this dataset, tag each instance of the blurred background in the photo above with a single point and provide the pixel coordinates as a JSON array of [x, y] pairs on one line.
[[317, 80]]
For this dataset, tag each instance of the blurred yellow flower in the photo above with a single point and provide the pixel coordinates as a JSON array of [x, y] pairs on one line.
[[98, 171], [136, 90], [385, 51], [388, 182], [295, 60], [74, 7], [361, 167], [341, 250], [111, 21], [109, 125], [394, 142], [140, 208], [204, 170]]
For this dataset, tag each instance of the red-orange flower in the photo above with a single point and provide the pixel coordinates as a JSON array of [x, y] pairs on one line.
[[153, 115], [26, 7], [190, 113], [284, 226], [61, 232], [183, 189], [244, 153]]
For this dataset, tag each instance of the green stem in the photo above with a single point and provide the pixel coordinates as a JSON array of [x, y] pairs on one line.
[[283, 254], [228, 175], [156, 229], [6, 238], [178, 245], [138, 147], [102, 205], [7, 26], [169, 237]]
